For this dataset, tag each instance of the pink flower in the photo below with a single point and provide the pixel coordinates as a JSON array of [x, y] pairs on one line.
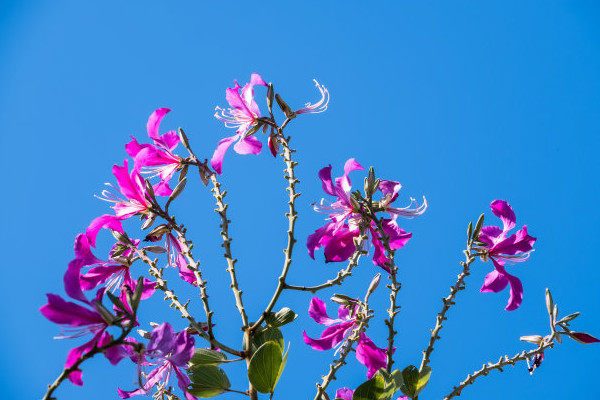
[[132, 188], [176, 257], [337, 332], [157, 159], [501, 250], [242, 116], [337, 236], [81, 320], [115, 274]]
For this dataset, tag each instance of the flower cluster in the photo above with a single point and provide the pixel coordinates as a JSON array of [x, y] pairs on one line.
[[347, 216]]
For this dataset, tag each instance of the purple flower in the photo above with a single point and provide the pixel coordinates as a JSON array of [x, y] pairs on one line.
[[337, 332], [242, 116], [80, 320], [502, 249], [132, 187], [157, 159], [337, 236], [171, 353], [319, 106], [344, 394]]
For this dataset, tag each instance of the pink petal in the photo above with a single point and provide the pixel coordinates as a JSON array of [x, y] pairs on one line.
[[349, 166], [371, 356], [154, 122], [72, 281], [104, 221], [318, 311], [217, 159], [584, 338], [344, 394], [330, 336], [504, 211], [341, 246], [494, 282], [248, 145]]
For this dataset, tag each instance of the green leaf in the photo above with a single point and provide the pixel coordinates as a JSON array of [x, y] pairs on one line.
[[207, 381], [424, 376], [373, 389], [393, 382], [414, 380], [280, 318], [264, 336], [265, 367], [207, 357]]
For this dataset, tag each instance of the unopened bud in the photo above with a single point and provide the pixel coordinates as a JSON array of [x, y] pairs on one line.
[[536, 339], [549, 302]]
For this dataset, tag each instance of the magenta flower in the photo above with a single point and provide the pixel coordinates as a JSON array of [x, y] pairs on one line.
[[337, 332], [242, 116], [171, 353], [157, 159], [80, 320], [337, 236], [132, 187], [501, 250], [114, 274]]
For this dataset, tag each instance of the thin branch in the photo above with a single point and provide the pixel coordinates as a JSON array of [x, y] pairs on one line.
[[448, 301], [341, 275], [222, 211], [503, 362], [292, 214], [96, 350]]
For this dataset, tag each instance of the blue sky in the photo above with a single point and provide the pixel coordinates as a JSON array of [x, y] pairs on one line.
[[462, 102]]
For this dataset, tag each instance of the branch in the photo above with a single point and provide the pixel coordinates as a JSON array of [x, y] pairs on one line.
[[292, 214], [341, 275], [503, 362], [222, 211], [448, 301], [96, 350]]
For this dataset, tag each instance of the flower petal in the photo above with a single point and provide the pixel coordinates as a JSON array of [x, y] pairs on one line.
[[104, 221], [154, 122], [217, 159], [72, 281], [341, 246], [330, 336], [248, 145], [344, 394], [371, 356], [504, 211], [318, 311]]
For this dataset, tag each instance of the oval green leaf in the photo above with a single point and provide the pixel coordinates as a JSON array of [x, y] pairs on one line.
[[265, 367], [207, 357], [207, 381], [373, 389]]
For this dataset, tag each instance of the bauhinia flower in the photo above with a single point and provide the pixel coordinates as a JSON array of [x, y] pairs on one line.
[[502, 249], [337, 237], [157, 159], [80, 320], [337, 333], [170, 352], [132, 188], [242, 115], [114, 273]]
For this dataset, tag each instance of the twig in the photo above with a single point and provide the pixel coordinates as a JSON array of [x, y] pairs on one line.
[[292, 214], [504, 361], [341, 275], [448, 301], [222, 211], [96, 350]]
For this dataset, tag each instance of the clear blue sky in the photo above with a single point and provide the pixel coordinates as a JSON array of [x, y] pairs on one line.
[[463, 102]]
